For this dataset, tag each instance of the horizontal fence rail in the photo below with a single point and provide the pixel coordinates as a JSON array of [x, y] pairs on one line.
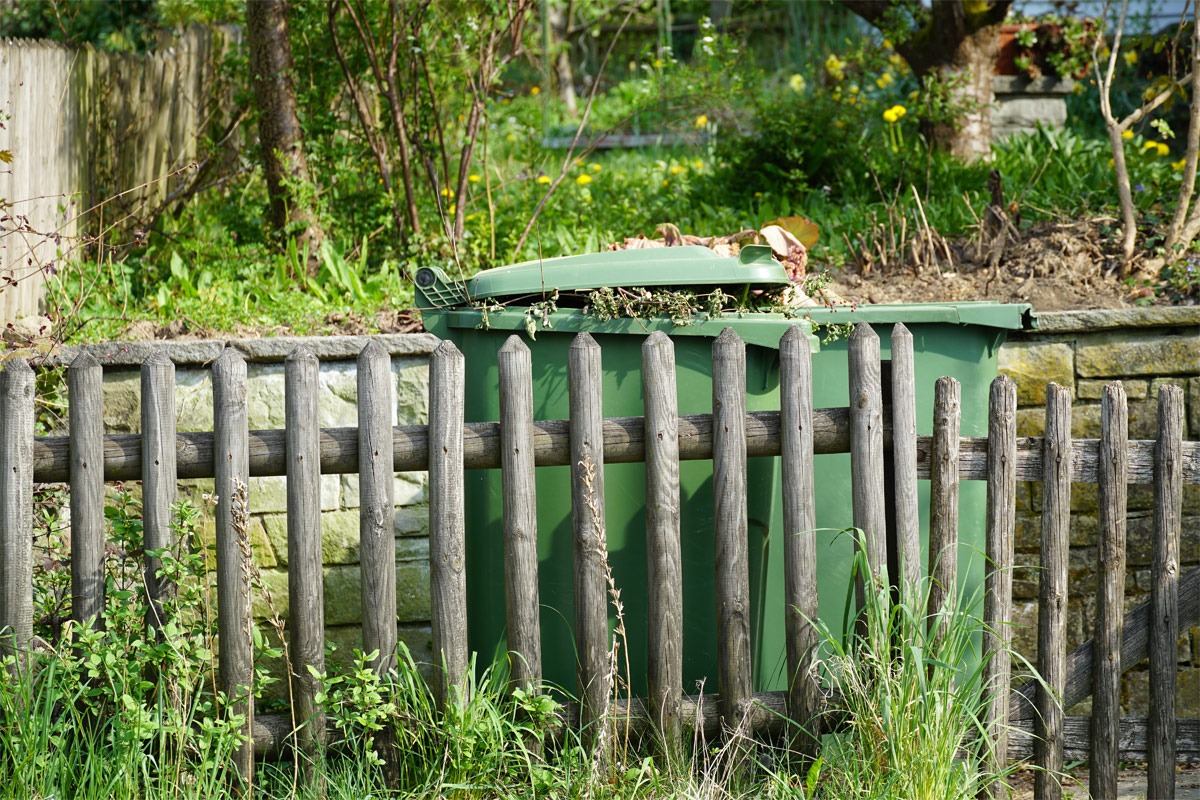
[[886, 453]]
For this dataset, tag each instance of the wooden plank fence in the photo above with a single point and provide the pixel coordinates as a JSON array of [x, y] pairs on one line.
[[729, 436]]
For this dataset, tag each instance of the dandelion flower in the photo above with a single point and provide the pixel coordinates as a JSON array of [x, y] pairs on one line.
[[595, 167], [1179, 165], [1131, 57], [473, 178], [666, 183], [512, 137], [447, 192], [451, 209], [1164, 150], [885, 80], [1127, 135], [797, 83], [702, 121], [893, 114], [697, 164], [835, 67], [543, 178], [659, 63], [584, 179], [535, 90], [676, 169], [1150, 145]]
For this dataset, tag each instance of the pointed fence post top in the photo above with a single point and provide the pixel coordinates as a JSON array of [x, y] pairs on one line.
[[584, 341], [230, 358], [657, 339], [300, 355], [373, 349], [901, 332], [794, 336], [157, 359], [16, 367], [863, 333], [84, 361], [1003, 383], [513, 344], [446, 350]]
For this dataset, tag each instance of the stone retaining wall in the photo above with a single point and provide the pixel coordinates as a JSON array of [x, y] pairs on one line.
[[1145, 348], [1085, 350]]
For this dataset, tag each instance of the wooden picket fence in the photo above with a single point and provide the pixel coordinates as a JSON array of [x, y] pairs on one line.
[[1028, 718]]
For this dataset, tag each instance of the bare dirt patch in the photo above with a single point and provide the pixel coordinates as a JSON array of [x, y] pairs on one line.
[[1053, 265]]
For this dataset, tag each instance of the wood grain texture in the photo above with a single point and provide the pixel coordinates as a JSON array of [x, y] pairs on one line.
[[231, 457], [664, 570], [799, 544], [866, 449], [85, 379], [623, 444], [16, 507], [590, 540], [158, 476], [904, 455], [1110, 594], [376, 524], [1000, 535], [1164, 594], [306, 590], [1052, 597], [730, 527], [519, 487], [943, 499], [447, 529]]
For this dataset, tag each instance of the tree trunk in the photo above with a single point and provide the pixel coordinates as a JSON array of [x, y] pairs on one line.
[[968, 78], [279, 131], [559, 17]]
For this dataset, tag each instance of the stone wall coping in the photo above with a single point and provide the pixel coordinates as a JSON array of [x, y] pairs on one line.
[[273, 349], [1114, 318], [1023, 84]]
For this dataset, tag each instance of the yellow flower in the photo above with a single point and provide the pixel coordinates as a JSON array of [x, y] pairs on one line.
[[447, 192], [1131, 57], [451, 209], [835, 67], [852, 100], [535, 90], [758, 194], [595, 167], [697, 164], [887, 44], [854, 88], [543, 178], [1150, 145], [676, 169], [797, 83], [473, 178], [659, 63], [1127, 135], [666, 183], [885, 80], [913, 96], [893, 114], [512, 137], [584, 180], [1179, 165], [1163, 150], [702, 121]]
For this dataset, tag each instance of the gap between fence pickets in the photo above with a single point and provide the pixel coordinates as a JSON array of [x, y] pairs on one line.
[[623, 443]]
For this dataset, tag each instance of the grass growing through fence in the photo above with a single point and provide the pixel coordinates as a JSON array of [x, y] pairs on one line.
[[123, 711]]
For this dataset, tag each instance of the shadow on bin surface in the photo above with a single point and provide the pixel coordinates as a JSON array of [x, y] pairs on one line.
[[959, 340]]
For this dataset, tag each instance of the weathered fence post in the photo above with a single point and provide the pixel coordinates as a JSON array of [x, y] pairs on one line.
[[866, 451], [1112, 476], [231, 467], [158, 476], [664, 570], [16, 508], [376, 513], [306, 590], [590, 538], [1052, 598], [997, 603], [800, 543], [447, 530], [85, 379], [943, 500], [904, 457], [1164, 594], [521, 605], [731, 527]]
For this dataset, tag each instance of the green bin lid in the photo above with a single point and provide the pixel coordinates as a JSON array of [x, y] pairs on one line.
[[690, 266], [983, 313]]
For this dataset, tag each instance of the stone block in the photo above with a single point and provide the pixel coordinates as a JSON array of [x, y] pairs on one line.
[[1094, 390], [339, 536], [345, 639], [339, 395], [269, 495], [122, 393], [1193, 408], [1139, 542], [1135, 693], [343, 602], [1034, 364], [1085, 421], [412, 390], [269, 596], [408, 489], [1029, 533], [264, 554], [1132, 354], [193, 400], [412, 521], [265, 396]]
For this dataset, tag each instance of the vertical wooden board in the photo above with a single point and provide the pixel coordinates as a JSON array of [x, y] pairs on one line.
[[943, 499], [158, 475], [1112, 478], [447, 531], [997, 604], [731, 530], [16, 507], [376, 525], [85, 378], [800, 544], [231, 468], [1052, 598], [590, 540], [306, 590], [522, 607], [1164, 593], [866, 448], [904, 455], [664, 571]]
